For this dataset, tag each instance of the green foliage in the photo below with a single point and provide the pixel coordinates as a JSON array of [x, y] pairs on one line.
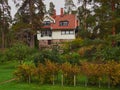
[[72, 58], [19, 52], [52, 55], [1, 57], [109, 53], [73, 45]]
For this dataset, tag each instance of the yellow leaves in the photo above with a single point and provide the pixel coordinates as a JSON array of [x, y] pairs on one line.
[[75, 69], [40, 69], [24, 72], [51, 67], [69, 69], [110, 71]]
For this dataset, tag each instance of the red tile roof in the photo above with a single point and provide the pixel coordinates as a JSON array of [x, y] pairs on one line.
[[68, 17], [73, 22]]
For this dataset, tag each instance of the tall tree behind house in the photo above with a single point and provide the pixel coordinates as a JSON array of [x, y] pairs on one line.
[[51, 8], [5, 19], [29, 17], [69, 6], [105, 18]]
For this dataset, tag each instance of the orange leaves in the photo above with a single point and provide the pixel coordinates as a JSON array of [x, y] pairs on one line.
[[65, 68], [51, 67], [25, 72], [110, 70], [48, 72]]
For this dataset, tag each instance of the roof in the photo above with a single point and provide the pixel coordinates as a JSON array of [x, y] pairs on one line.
[[71, 18], [67, 17]]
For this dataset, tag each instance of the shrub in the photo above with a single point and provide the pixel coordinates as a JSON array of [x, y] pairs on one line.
[[25, 72], [19, 52]]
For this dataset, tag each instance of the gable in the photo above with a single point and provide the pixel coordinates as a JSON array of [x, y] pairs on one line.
[[48, 18]]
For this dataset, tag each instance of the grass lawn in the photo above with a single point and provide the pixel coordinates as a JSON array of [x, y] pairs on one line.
[[6, 73], [24, 86]]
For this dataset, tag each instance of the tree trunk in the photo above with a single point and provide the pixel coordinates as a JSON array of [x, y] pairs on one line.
[[113, 10], [113, 28], [3, 28], [3, 40], [85, 16], [32, 41]]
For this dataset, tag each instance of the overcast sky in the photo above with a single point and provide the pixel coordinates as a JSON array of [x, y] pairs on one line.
[[58, 4]]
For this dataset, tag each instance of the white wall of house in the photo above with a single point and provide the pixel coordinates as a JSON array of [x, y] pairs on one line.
[[56, 35]]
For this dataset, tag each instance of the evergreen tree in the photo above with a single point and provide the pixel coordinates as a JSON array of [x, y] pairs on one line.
[[29, 17], [5, 20], [69, 6], [51, 8], [107, 16]]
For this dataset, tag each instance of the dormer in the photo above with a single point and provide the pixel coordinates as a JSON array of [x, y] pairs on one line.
[[63, 23]]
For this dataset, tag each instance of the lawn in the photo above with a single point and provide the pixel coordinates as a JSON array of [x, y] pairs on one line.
[[6, 73]]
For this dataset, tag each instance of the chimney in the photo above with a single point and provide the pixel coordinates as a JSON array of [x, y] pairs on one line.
[[62, 12]]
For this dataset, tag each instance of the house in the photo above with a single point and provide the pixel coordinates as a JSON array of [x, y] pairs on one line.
[[57, 28]]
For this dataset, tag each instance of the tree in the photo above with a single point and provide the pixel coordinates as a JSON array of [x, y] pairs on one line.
[[5, 20], [69, 6], [51, 8], [19, 52], [30, 14]]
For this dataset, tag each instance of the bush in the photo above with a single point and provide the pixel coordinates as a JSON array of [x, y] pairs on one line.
[[25, 72], [51, 55], [72, 58], [19, 52], [73, 45]]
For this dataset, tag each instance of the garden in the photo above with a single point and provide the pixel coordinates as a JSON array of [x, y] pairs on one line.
[[82, 64]]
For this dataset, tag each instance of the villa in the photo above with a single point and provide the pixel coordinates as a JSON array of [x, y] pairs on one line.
[[57, 28]]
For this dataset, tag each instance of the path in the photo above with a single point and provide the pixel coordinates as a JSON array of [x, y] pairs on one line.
[[7, 81]]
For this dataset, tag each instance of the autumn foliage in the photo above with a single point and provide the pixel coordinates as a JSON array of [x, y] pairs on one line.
[[107, 73]]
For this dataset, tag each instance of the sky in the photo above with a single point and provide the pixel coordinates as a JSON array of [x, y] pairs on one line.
[[58, 4]]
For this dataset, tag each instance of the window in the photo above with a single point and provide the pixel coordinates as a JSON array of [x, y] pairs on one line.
[[46, 33], [67, 32], [63, 23], [71, 32], [63, 32], [46, 23]]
